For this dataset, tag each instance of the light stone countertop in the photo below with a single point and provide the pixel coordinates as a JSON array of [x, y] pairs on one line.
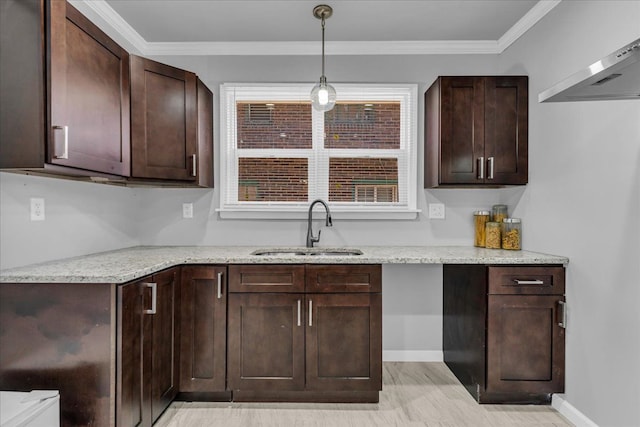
[[124, 265]]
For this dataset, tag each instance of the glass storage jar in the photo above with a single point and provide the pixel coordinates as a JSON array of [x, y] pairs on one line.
[[480, 219], [498, 213], [512, 234], [492, 235]]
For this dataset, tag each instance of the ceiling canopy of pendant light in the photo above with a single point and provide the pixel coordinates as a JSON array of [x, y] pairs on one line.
[[323, 95]]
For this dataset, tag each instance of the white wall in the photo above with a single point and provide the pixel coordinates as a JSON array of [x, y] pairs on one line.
[[80, 218], [583, 201]]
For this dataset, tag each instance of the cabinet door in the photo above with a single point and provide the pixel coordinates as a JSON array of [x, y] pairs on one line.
[[22, 84], [160, 346], [462, 130], [266, 342], [506, 129], [525, 344], [89, 75], [203, 327], [204, 166], [344, 342], [163, 121], [129, 380]]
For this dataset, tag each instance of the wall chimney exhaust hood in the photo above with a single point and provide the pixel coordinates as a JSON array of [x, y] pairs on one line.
[[616, 76]]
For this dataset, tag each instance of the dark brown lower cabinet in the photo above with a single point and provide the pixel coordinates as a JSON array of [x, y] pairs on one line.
[[503, 331], [322, 347], [342, 342], [148, 360], [203, 332]]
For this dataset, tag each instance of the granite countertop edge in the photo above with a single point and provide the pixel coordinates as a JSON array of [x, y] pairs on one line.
[[125, 265]]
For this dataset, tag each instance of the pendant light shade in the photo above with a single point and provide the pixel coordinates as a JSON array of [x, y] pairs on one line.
[[323, 95]]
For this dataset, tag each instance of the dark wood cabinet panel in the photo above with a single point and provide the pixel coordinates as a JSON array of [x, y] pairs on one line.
[[204, 166], [163, 121], [129, 380], [305, 333], [89, 75], [266, 342], [525, 345], [261, 278], [343, 278], [343, 342], [504, 341], [65, 92], [526, 280], [476, 131], [61, 336], [22, 84], [203, 329], [506, 129], [160, 344]]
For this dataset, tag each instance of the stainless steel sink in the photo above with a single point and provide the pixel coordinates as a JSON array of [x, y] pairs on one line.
[[307, 252]]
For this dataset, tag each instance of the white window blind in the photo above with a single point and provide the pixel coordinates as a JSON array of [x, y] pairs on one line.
[[277, 154]]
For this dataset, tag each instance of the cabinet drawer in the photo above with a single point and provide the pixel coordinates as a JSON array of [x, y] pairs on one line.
[[266, 278], [344, 278], [527, 280]]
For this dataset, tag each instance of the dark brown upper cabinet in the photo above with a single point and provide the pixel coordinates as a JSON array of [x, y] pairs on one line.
[[74, 103], [476, 131], [164, 121], [65, 92]]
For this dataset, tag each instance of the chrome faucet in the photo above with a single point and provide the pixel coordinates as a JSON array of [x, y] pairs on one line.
[[311, 239]]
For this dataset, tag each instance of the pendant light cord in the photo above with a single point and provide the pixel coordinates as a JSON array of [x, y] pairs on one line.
[[322, 45]]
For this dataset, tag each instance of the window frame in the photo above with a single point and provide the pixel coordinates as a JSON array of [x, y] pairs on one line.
[[318, 156]]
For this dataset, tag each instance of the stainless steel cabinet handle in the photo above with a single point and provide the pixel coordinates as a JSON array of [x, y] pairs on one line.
[[299, 314], [490, 162], [562, 306], [154, 297], [310, 313], [220, 285], [528, 282], [480, 167], [194, 164], [65, 150]]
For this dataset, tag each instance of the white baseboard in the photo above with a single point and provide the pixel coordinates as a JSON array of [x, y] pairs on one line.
[[412, 356], [569, 411]]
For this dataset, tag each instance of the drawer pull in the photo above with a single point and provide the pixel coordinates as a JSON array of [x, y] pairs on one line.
[[562, 308], [65, 149], [310, 313], [219, 285], [154, 297], [528, 282], [299, 314]]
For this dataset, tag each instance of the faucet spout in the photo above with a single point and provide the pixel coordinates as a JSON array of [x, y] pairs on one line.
[[311, 239]]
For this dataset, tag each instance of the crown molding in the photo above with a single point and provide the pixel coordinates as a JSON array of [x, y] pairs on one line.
[[111, 18], [537, 12], [446, 47]]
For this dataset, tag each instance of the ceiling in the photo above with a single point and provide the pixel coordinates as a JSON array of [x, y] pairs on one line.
[[290, 25]]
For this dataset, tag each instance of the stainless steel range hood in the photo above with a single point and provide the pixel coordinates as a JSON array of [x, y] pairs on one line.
[[617, 76]]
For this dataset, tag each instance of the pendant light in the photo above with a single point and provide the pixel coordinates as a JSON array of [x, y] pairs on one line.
[[323, 95]]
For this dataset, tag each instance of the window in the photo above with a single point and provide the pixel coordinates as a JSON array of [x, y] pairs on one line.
[[278, 154]]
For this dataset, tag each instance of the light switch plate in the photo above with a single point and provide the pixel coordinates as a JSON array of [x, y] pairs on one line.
[[37, 209], [436, 210], [187, 210]]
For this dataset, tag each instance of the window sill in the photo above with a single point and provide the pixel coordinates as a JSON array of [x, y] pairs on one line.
[[301, 214]]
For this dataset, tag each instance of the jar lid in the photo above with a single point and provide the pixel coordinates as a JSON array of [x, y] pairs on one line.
[[482, 213], [512, 220], [499, 207], [493, 224]]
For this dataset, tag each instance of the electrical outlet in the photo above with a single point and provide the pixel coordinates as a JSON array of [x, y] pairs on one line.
[[37, 209], [436, 210], [187, 210]]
